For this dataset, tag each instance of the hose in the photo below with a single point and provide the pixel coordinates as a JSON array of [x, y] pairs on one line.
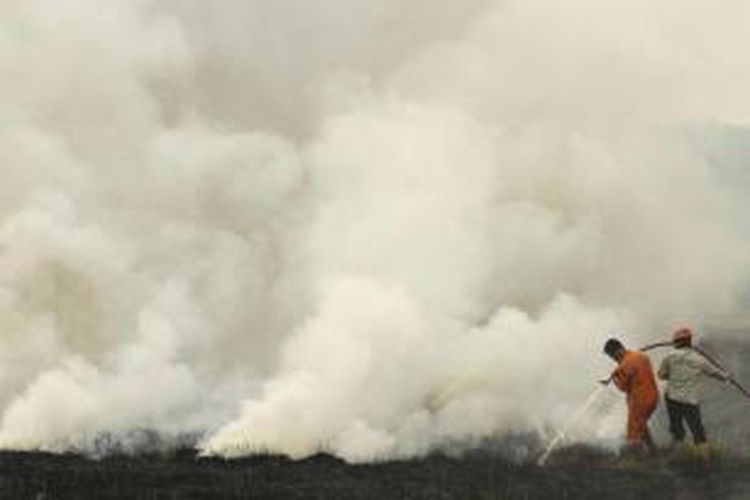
[[701, 352]]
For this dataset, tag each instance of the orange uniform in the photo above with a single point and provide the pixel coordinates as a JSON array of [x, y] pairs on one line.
[[635, 377]]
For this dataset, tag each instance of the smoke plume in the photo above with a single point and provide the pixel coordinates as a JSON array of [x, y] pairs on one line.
[[371, 228]]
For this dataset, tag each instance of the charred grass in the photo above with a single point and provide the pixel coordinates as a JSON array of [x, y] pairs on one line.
[[573, 473]]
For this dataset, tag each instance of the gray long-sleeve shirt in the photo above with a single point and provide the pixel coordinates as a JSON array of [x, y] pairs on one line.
[[684, 370]]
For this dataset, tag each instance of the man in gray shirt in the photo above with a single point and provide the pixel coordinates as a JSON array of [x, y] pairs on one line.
[[684, 369]]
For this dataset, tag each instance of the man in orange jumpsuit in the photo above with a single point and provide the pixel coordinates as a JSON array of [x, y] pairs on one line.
[[635, 377]]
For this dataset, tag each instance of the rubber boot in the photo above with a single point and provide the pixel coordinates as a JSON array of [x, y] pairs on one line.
[[703, 453], [632, 455]]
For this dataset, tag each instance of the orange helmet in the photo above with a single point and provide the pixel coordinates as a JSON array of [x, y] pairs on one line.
[[681, 334]]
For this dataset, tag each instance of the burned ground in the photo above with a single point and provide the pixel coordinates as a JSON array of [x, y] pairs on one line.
[[571, 474]]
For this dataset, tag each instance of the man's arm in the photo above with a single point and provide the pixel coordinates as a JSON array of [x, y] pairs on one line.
[[712, 371], [621, 377]]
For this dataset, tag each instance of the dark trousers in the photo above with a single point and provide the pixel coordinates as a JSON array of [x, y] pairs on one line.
[[679, 413]]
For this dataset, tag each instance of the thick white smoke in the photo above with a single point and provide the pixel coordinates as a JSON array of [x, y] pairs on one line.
[[371, 228]]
